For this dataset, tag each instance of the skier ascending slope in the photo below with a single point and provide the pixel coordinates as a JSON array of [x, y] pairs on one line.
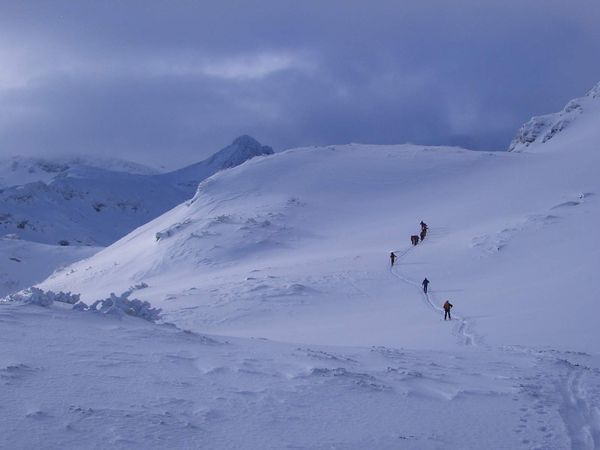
[[447, 307], [393, 258], [425, 283], [423, 230]]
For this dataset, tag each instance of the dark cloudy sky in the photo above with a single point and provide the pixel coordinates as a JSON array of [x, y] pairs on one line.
[[172, 81]]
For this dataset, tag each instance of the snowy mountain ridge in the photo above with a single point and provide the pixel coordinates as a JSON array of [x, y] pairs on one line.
[[240, 150], [541, 129], [19, 170], [97, 201]]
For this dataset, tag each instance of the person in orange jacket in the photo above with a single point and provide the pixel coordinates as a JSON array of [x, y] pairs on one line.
[[447, 307]]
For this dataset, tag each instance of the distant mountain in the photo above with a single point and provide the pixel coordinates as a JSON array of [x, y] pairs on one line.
[[94, 201], [19, 170], [541, 129], [240, 150]]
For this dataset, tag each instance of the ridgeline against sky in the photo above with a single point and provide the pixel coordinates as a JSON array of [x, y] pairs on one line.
[[143, 80]]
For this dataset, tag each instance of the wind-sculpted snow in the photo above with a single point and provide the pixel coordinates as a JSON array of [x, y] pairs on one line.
[[113, 305], [121, 305], [95, 382], [171, 230], [35, 296], [496, 242]]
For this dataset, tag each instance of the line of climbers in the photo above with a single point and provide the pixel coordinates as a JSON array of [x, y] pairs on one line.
[[447, 305], [414, 239]]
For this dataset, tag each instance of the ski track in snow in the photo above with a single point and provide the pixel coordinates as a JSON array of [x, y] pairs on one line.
[[462, 330], [577, 410], [581, 418], [575, 400]]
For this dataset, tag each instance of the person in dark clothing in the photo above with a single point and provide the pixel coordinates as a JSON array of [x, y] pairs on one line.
[[423, 226], [393, 257], [414, 239], [447, 307], [423, 234], [425, 284]]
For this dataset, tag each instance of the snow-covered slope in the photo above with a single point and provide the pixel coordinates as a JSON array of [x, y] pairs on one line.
[[95, 202], [326, 345], [24, 263], [314, 227], [76, 380]]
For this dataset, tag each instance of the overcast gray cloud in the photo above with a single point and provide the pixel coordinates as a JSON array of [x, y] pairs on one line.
[[147, 79]]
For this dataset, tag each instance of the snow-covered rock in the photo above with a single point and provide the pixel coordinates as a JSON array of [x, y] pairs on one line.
[[594, 92], [541, 129], [113, 305], [35, 296], [121, 305]]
